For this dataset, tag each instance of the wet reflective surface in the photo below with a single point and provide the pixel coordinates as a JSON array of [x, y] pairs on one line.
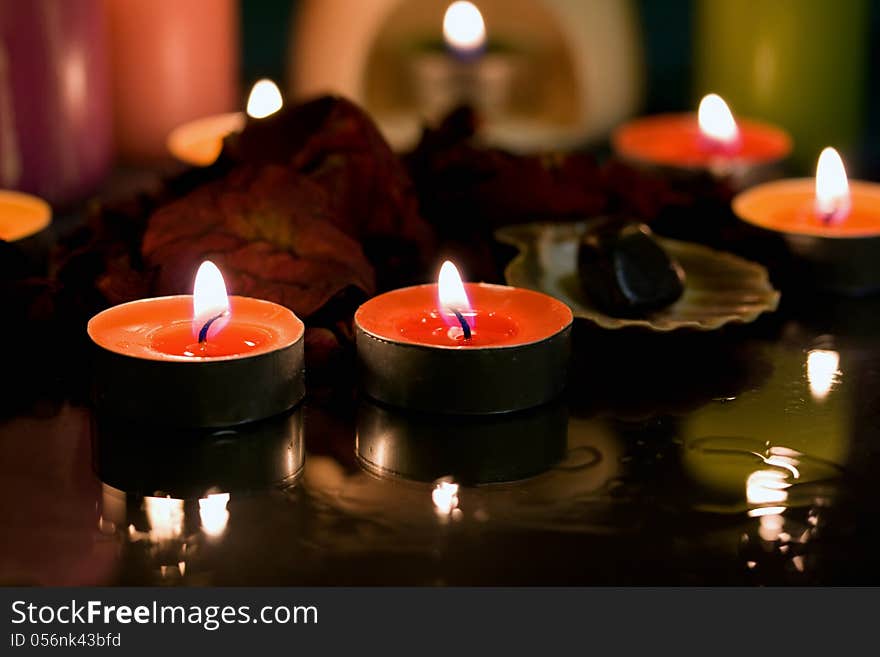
[[748, 456]]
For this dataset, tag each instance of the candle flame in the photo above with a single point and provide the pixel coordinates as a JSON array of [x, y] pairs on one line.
[[716, 121], [210, 300], [463, 27], [823, 370], [452, 295], [832, 186], [264, 99]]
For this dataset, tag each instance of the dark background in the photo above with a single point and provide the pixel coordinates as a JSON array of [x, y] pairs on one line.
[[667, 30]]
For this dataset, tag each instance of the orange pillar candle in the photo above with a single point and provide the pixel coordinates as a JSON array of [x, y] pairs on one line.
[[198, 360], [172, 62], [461, 348], [742, 150], [832, 223]]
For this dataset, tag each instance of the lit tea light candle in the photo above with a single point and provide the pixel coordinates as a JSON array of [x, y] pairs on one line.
[[830, 222], [24, 223], [22, 216], [465, 70], [199, 142], [481, 449], [742, 150], [198, 360], [463, 348]]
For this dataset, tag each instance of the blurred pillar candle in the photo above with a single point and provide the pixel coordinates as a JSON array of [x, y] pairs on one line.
[[173, 61], [55, 126], [799, 63]]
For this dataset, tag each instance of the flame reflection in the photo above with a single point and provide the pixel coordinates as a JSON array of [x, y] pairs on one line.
[[832, 186], [214, 514], [823, 372], [445, 497]]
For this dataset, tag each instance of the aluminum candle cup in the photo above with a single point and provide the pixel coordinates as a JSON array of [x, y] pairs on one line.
[[413, 352], [139, 459], [149, 366], [474, 450]]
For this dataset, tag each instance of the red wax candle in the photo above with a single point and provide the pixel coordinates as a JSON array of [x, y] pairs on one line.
[[161, 329], [198, 360], [710, 140], [832, 223], [480, 349], [501, 317]]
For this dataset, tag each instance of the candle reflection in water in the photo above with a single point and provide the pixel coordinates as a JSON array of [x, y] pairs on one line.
[[167, 497], [823, 372], [214, 514], [264, 99], [832, 186], [779, 548], [464, 30]]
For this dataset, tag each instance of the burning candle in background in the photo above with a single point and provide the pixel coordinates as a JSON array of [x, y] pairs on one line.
[[264, 99], [476, 450], [199, 142], [823, 372], [797, 63], [830, 223], [742, 151], [22, 216], [463, 348], [182, 359], [24, 224], [465, 71]]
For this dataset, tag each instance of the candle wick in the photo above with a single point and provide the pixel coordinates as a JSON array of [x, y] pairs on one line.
[[203, 333], [465, 327]]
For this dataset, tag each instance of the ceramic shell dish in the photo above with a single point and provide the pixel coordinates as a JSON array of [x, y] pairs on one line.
[[720, 288]]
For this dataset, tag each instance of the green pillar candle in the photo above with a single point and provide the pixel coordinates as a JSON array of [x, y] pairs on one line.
[[799, 63]]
